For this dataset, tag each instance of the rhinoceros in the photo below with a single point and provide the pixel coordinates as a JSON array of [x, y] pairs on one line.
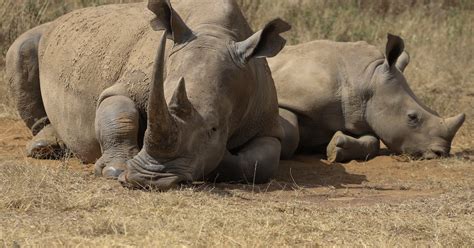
[[344, 97], [188, 97]]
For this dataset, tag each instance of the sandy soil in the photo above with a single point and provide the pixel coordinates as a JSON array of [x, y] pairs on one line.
[[309, 182]]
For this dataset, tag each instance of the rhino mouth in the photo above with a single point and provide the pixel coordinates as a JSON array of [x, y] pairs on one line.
[[146, 173], [158, 181], [435, 153], [429, 154]]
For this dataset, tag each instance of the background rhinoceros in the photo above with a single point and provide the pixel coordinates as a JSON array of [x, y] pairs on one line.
[[89, 80], [346, 96]]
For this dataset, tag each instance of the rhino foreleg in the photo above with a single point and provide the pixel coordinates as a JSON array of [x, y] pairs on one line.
[[291, 135], [256, 162], [117, 125], [344, 148]]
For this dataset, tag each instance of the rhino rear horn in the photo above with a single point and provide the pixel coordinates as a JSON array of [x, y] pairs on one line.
[[454, 123], [167, 19], [264, 43], [394, 49], [162, 133], [180, 104]]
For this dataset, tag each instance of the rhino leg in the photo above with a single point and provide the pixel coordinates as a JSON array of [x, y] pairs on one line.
[[256, 162], [117, 125], [344, 148], [291, 135], [22, 67]]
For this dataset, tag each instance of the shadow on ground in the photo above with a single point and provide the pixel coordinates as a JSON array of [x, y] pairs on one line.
[[303, 171]]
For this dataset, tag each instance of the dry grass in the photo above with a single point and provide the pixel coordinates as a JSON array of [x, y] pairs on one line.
[[57, 204], [382, 203]]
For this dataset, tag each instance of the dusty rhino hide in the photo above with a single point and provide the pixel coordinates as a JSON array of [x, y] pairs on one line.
[[345, 97], [106, 83]]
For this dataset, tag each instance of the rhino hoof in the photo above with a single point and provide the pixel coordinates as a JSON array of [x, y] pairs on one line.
[[42, 149], [110, 172], [335, 155], [46, 144], [335, 149]]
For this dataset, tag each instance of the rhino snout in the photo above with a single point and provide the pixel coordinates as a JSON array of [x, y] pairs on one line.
[[146, 172], [438, 150], [435, 153], [430, 153]]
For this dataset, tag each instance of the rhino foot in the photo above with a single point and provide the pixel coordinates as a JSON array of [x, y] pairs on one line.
[[256, 162], [46, 145], [343, 148], [335, 151], [110, 168], [117, 129]]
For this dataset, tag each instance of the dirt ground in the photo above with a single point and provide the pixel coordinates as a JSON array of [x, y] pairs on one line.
[[388, 201]]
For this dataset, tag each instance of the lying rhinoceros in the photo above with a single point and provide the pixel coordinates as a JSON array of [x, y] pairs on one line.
[[345, 97], [206, 105]]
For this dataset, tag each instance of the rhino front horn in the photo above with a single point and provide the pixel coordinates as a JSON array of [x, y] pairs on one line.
[[162, 133], [454, 123]]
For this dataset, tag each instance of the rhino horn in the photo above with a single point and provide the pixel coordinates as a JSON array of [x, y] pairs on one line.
[[454, 123], [162, 134], [180, 104]]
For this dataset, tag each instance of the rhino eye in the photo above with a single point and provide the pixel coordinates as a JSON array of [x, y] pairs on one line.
[[211, 132], [413, 119]]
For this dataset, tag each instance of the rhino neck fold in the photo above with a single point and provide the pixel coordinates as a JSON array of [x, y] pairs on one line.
[[355, 92], [216, 31]]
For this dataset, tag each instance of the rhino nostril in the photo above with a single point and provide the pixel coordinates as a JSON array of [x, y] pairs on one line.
[[439, 153], [417, 154]]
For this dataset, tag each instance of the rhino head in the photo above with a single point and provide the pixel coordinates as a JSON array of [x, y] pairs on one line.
[[207, 72], [398, 117]]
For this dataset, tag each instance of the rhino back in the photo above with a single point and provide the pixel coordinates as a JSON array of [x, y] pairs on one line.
[[316, 81], [84, 53]]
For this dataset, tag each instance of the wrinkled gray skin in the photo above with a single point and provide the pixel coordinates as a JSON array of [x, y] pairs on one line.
[[152, 112], [345, 97]]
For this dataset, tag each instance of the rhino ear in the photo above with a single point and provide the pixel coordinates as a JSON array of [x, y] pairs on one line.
[[264, 43], [394, 49], [167, 19], [403, 61]]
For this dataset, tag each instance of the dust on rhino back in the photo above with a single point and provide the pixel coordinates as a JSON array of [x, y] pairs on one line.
[[85, 52]]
